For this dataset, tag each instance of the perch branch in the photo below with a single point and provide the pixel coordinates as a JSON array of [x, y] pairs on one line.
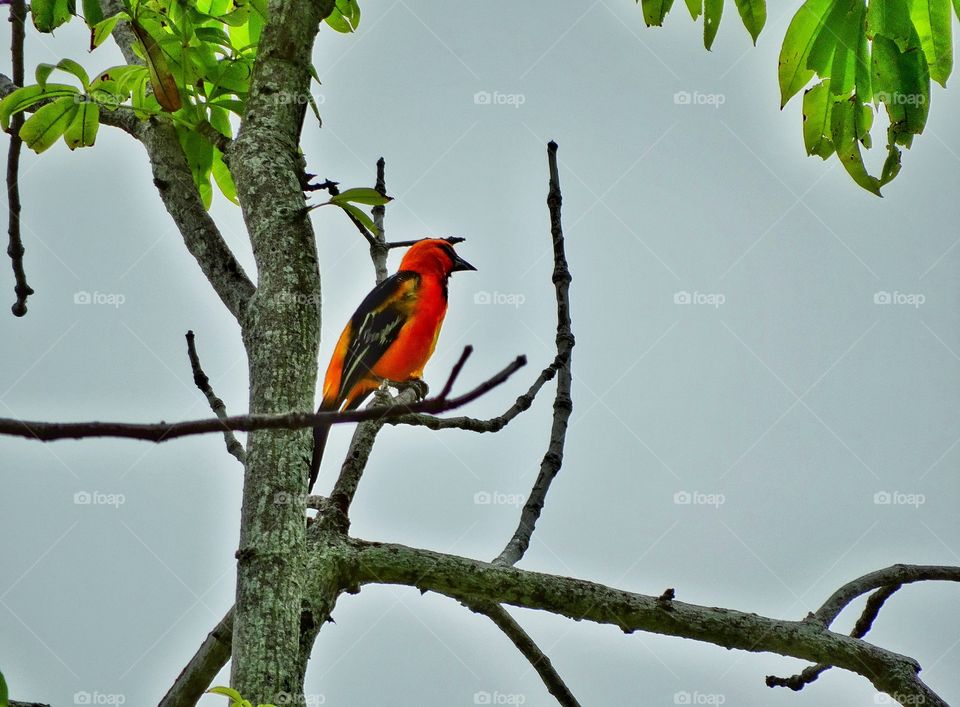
[[197, 675]]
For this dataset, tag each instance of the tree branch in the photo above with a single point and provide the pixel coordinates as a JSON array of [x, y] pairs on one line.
[[472, 581], [563, 401], [530, 650], [196, 677], [163, 431], [216, 404], [22, 290]]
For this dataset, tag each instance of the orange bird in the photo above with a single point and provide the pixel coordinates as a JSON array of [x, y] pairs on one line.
[[392, 334]]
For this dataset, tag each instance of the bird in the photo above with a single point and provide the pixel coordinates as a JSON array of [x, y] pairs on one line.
[[391, 335]]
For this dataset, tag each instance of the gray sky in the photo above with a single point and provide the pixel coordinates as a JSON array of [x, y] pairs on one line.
[[789, 402]]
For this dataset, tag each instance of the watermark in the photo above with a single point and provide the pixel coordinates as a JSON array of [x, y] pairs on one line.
[[486, 98], [483, 697], [713, 299], [290, 698], [98, 97], [913, 299], [98, 698], [283, 98], [298, 299], [900, 99], [496, 498], [698, 698], [282, 498], [114, 299], [698, 498], [898, 698], [686, 98], [898, 498], [513, 299], [98, 498]]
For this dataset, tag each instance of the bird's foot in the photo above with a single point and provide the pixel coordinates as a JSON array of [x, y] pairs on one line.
[[417, 385]]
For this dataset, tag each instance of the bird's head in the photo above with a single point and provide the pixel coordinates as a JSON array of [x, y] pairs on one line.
[[434, 256]]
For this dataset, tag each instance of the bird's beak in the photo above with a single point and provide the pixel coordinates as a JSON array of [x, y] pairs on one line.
[[460, 264]]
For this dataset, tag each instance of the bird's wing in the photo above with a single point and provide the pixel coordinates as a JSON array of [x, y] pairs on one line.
[[375, 326]]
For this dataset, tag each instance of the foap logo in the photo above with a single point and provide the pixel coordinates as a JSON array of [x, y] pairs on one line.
[[900, 99], [897, 698], [289, 698], [698, 698], [711, 299], [698, 498], [113, 299], [486, 98], [482, 697], [510, 299], [495, 498], [282, 498], [98, 698], [97, 498], [912, 299], [898, 498], [686, 98]]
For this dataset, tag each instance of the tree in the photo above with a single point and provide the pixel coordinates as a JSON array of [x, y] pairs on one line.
[[271, 631]]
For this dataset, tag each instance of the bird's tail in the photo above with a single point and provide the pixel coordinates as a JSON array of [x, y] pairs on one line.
[[320, 433]]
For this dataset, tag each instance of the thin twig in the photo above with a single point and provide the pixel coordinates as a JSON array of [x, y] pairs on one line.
[[563, 401], [378, 248], [530, 650], [163, 431], [472, 424], [196, 676], [15, 250], [452, 240], [216, 404]]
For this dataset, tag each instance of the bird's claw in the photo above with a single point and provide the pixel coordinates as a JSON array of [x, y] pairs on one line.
[[417, 385]]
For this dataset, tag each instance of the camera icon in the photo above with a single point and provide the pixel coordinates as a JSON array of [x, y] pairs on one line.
[[682, 297], [82, 698], [482, 98], [682, 98], [482, 498], [682, 698], [882, 297], [282, 498], [82, 498], [682, 498], [482, 698], [81, 297], [882, 498], [482, 297]]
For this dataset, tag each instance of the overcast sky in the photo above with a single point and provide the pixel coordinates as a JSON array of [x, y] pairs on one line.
[[733, 345]]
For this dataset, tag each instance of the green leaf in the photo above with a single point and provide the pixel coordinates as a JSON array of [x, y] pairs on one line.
[[360, 215], [695, 7], [23, 98], [712, 10], [226, 692], [345, 16], [199, 154], [50, 14], [932, 20], [804, 29], [901, 82], [817, 103], [223, 178], [844, 133], [45, 127], [847, 23], [104, 28], [362, 195], [92, 12], [891, 18], [754, 16], [82, 131], [654, 11]]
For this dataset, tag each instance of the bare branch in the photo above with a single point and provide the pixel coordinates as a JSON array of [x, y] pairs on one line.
[[563, 401], [472, 424], [475, 581], [196, 677], [379, 249], [163, 431], [216, 404], [886, 582], [537, 658], [22, 290]]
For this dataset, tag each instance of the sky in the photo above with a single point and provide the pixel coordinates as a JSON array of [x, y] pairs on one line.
[[765, 385]]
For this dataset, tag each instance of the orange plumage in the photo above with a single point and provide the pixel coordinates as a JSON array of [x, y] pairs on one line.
[[392, 334]]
